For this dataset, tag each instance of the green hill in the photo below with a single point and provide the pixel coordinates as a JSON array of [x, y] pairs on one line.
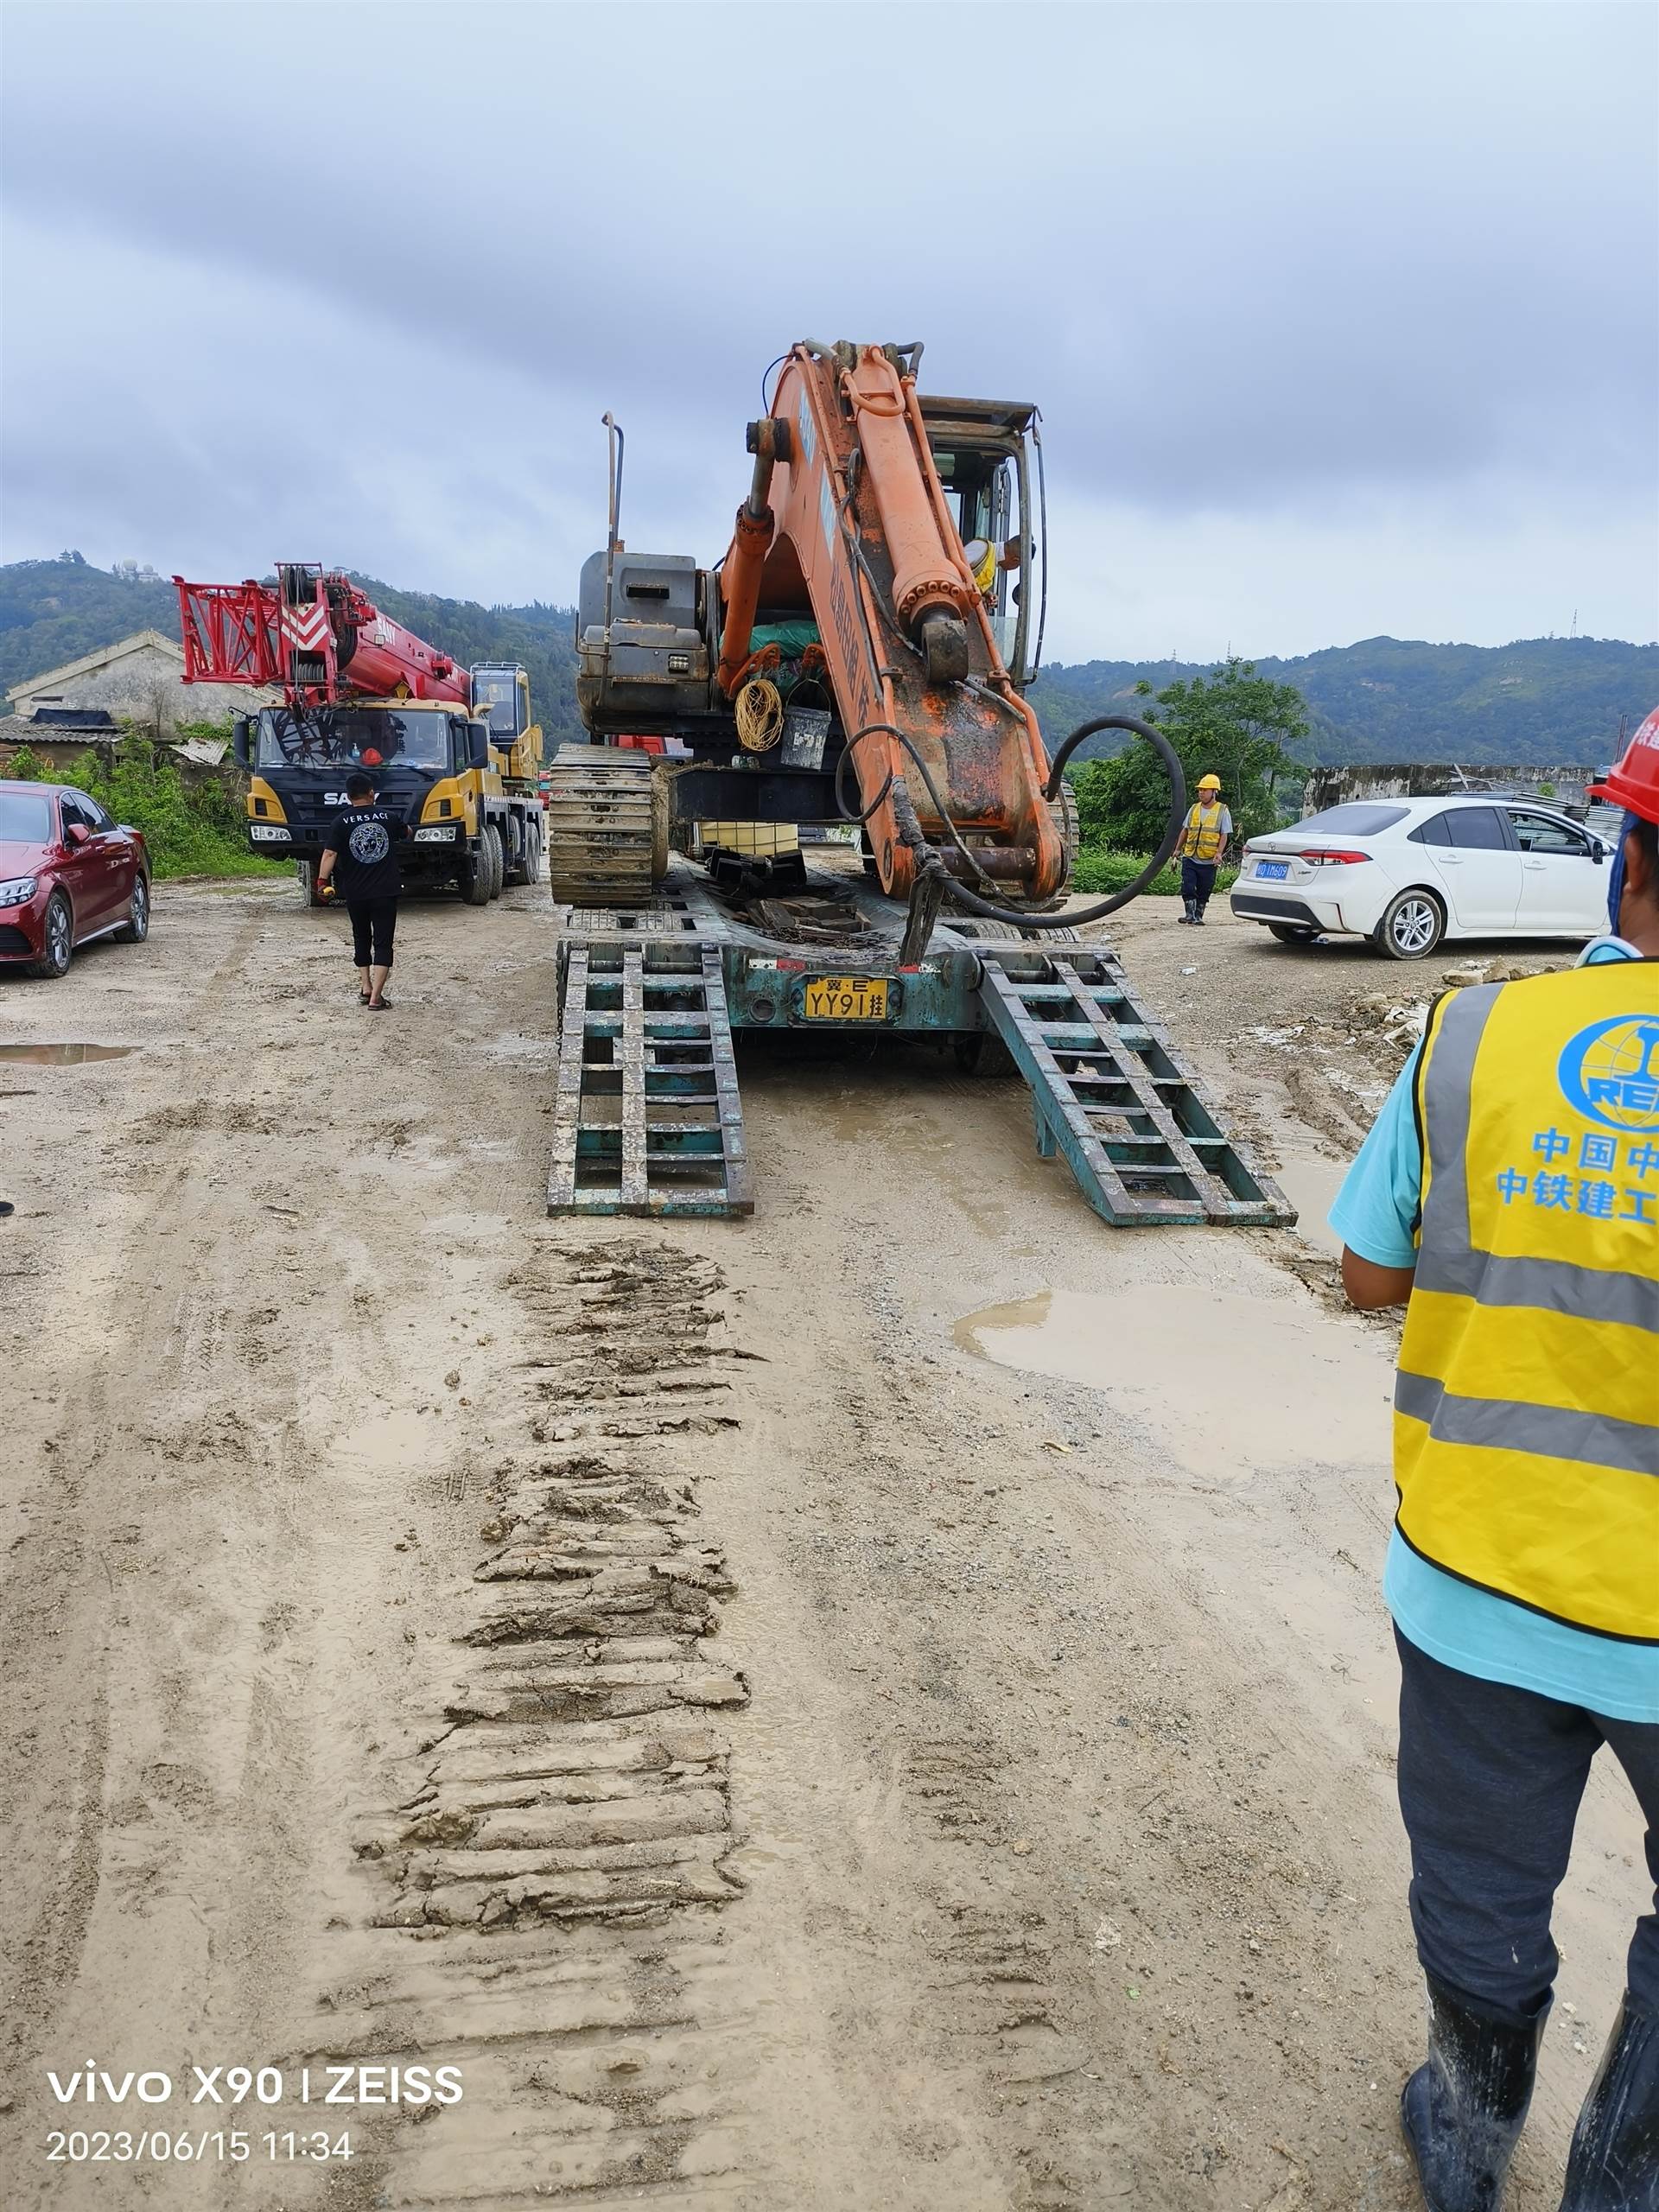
[[1551, 701], [1545, 700]]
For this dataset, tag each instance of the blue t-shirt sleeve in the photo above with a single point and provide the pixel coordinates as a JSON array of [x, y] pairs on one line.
[[1377, 1202]]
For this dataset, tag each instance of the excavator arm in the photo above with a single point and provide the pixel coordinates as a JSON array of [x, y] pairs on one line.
[[847, 516]]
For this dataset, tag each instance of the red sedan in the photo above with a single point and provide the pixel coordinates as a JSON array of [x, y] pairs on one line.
[[68, 874]]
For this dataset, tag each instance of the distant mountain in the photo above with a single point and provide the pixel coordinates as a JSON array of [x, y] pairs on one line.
[[53, 611], [1551, 701]]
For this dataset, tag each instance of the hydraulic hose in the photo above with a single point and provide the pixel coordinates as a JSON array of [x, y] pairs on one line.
[[990, 908]]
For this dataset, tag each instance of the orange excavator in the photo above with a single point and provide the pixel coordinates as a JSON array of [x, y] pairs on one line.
[[887, 566], [858, 660]]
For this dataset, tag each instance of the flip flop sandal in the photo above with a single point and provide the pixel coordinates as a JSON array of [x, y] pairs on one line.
[[384, 1006]]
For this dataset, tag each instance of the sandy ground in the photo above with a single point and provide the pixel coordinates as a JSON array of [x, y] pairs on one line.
[[883, 1704]]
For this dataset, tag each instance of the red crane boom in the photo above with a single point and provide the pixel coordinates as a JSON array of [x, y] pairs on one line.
[[312, 633]]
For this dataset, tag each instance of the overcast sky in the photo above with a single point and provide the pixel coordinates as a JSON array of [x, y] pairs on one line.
[[1344, 319]]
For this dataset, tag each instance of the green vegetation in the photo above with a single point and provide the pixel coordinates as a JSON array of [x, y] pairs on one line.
[[1100, 873], [1235, 722], [191, 828], [1551, 702]]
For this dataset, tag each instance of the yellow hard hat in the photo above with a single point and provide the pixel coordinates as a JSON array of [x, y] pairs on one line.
[[981, 559], [1209, 783]]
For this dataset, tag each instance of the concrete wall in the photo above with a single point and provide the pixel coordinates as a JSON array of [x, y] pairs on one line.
[[1437, 779], [145, 684]]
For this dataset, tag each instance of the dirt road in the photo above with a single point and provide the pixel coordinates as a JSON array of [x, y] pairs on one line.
[[885, 1705]]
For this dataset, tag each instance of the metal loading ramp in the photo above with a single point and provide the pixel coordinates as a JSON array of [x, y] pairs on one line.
[[646, 1118], [1110, 1096]]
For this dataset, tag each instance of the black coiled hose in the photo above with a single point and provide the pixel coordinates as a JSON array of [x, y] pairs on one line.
[[990, 908]]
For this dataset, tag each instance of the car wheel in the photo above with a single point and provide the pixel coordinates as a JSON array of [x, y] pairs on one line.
[[136, 928], [1292, 933], [1413, 925], [57, 939], [498, 861]]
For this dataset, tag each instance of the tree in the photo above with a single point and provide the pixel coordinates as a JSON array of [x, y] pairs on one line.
[[1234, 722]]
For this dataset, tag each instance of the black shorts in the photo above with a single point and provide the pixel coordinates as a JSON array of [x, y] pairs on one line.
[[373, 921]]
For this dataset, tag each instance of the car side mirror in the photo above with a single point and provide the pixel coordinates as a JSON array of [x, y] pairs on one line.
[[1598, 852], [239, 739], [481, 757], [77, 834]]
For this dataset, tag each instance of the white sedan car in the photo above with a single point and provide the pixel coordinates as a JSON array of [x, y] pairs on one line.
[[1406, 872]]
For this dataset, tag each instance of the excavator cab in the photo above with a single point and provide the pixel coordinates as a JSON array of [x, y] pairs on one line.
[[983, 450]]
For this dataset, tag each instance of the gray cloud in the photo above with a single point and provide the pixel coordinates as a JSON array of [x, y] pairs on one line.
[[359, 281]]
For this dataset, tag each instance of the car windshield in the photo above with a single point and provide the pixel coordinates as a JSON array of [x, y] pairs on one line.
[[25, 818], [334, 737], [1353, 821]]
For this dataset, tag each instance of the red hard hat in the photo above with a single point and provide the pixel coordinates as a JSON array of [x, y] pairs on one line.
[[370, 758], [1635, 783]]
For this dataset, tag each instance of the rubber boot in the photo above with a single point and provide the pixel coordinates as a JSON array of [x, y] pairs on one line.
[[1464, 2111], [1198, 916], [1613, 2165]]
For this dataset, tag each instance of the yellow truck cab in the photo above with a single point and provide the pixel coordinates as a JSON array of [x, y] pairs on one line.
[[463, 776]]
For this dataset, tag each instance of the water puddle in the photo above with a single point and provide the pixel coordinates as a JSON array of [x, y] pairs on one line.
[[1310, 1182], [63, 1056], [1228, 1382]]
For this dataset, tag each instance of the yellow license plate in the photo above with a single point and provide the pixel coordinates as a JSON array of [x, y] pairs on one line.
[[846, 998]]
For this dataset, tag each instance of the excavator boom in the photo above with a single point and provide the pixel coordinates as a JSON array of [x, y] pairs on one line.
[[847, 519]]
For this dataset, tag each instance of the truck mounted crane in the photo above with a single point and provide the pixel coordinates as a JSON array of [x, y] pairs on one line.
[[859, 657], [456, 748]]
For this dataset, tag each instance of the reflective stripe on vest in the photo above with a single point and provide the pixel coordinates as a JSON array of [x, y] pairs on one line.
[[1204, 835], [1527, 1404]]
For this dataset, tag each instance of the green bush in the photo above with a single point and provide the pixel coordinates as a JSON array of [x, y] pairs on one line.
[[1099, 872], [191, 828]]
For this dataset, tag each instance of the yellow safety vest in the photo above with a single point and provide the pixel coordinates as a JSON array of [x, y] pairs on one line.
[[1526, 1426], [1202, 840]]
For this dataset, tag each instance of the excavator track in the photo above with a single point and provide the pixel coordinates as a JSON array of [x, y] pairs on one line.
[[601, 842]]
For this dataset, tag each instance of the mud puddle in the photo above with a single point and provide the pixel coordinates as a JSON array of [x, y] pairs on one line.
[[1275, 1377], [1310, 1182], [63, 1056]]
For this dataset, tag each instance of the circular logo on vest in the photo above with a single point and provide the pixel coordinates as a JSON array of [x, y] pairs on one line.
[[370, 841], [1610, 1071]]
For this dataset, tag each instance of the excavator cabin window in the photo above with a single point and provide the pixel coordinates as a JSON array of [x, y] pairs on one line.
[[984, 489]]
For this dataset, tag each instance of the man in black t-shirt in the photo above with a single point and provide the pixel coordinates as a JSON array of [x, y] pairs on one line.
[[361, 855]]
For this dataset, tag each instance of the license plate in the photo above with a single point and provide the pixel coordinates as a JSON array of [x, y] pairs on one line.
[[1278, 870], [846, 998]]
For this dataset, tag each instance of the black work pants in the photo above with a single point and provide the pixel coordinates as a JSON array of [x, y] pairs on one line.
[[373, 921], [1197, 881], [1490, 1777]]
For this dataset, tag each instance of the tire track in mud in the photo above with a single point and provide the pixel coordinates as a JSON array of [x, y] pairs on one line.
[[546, 1901]]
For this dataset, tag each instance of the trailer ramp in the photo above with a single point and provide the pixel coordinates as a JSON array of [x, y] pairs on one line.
[[647, 1117], [1111, 1095]]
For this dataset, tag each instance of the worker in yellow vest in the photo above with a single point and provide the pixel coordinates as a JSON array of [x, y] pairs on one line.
[[1202, 844], [1509, 1196]]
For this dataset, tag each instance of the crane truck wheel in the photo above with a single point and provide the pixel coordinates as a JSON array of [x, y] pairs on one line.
[[533, 849], [498, 860], [476, 874]]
